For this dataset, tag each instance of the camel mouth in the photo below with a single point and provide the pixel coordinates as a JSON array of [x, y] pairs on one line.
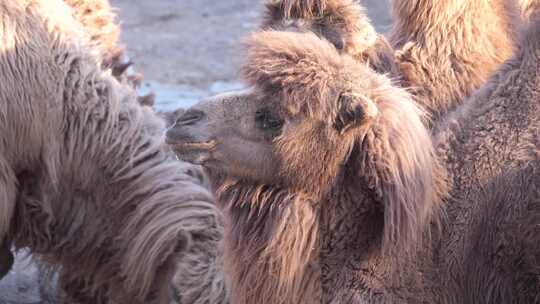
[[198, 153], [193, 146]]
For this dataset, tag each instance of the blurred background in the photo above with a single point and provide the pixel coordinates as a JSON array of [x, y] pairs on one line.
[[187, 50]]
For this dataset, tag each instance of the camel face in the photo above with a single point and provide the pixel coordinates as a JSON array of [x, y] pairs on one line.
[[230, 133], [247, 135]]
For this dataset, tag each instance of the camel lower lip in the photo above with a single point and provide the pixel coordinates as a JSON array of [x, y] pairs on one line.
[[194, 146]]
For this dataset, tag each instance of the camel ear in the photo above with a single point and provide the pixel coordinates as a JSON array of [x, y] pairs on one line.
[[354, 110]]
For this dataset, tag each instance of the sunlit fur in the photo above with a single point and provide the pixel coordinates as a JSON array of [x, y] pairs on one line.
[[100, 23], [85, 181]]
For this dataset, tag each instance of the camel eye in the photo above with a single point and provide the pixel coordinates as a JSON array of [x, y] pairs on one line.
[[265, 120]]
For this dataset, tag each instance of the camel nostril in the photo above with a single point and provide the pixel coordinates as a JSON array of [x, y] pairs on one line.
[[190, 117]]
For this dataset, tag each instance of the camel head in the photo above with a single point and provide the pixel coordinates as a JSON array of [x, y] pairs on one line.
[[313, 121]]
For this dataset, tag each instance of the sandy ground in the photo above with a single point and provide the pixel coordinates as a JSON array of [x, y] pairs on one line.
[[186, 49]]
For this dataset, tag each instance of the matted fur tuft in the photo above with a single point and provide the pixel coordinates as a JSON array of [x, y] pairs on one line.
[[200, 278], [342, 22]]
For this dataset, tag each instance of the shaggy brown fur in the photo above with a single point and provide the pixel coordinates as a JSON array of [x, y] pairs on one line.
[[496, 133], [99, 22], [331, 185], [444, 50], [85, 180]]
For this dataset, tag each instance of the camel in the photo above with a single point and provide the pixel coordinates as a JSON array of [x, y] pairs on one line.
[[98, 20], [439, 50], [335, 191], [86, 180]]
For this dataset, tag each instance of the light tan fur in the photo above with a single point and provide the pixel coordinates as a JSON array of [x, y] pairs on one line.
[[85, 180]]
